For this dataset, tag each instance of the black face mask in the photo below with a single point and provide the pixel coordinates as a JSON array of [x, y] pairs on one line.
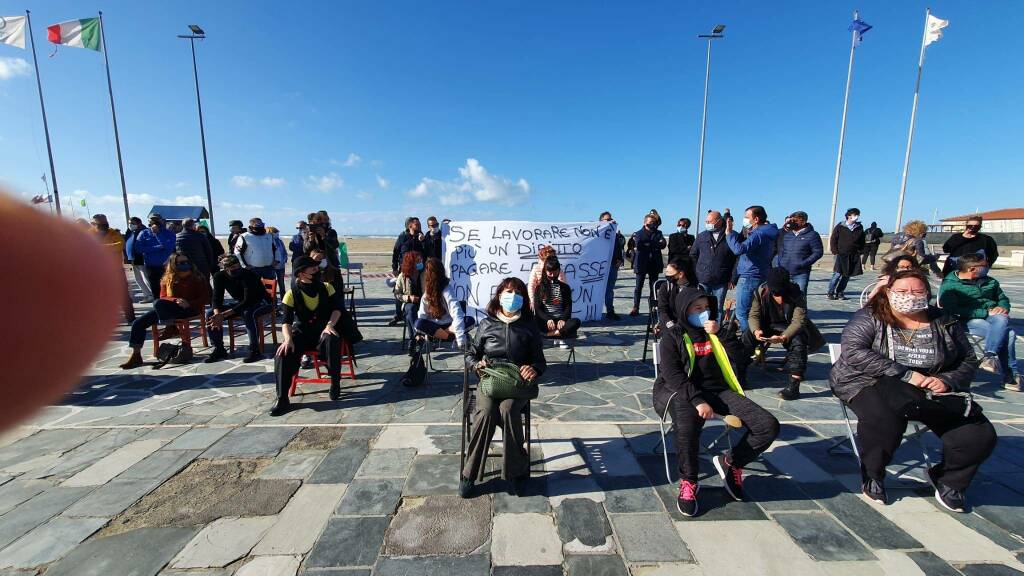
[[974, 229]]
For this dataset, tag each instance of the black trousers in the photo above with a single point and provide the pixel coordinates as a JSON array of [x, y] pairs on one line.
[[153, 276], [883, 411], [287, 366], [572, 326], [651, 277], [795, 363], [762, 428], [869, 252]]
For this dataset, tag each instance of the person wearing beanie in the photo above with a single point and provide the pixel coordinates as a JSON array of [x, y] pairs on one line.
[[697, 380], [312, 311], [251, 302], [778, 315]]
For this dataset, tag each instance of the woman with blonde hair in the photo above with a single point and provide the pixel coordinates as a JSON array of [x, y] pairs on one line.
[[911, 241]]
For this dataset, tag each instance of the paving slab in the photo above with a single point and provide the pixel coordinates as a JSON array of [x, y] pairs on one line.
[[595, 565], [666, 569], [362, 537], [222, 542], [161, 464], [141, 552], [471, 565], [407, 437], [251, 442], [37, 510], [775, 551], [527, 571], [197, 439], [821, 537], [48, 542], [112, 498], [583, 526], [503, 502], [629, 494], [387, 463], [525, 540], [371, 496], [297, 464], [17, 491], [438, 525], [270, 566], [301, 520], [433, 474], [931, 564], [868, 524], [339, 466], [115, 463], [649, 538]]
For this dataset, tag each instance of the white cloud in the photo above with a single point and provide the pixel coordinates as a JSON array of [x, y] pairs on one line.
[[363, 195], [179, 185], [272, 182], [324, 183], [383, 182], [473, 182], [195, 200], [243, 181], [353, 160], [233, 206], [377, 163], [11, 67]]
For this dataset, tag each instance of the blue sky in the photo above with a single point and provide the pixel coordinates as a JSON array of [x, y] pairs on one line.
[[521, 110]]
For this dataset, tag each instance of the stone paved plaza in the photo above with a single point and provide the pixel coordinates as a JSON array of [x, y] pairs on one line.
[[181, 471]]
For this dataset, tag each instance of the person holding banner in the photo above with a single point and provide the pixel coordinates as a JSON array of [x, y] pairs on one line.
[[552, 304], [697, 380], [613, 271], [646, 245]]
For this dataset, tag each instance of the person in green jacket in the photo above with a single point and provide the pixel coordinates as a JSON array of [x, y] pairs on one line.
[[982, 305]]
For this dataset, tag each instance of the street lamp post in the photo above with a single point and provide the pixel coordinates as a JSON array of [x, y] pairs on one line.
[[198, 34], [716, 32]]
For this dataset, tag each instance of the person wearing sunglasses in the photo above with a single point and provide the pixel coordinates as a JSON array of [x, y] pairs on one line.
[[903, 359]]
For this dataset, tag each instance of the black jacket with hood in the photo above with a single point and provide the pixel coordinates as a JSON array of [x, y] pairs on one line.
[[674, 376]]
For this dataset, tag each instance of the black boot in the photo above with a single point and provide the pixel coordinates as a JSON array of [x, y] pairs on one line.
[[281, 407], [335, 392], [791, 392], [217, 354]]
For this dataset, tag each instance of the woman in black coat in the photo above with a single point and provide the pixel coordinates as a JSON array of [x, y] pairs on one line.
[[508, 333]]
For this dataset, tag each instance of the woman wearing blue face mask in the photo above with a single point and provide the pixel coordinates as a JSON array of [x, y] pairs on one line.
[[409, 290], [184, 293], [697, 379], [507, 334]]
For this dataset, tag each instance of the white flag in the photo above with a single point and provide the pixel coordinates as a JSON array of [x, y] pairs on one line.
[[933, 29], [12, 31]]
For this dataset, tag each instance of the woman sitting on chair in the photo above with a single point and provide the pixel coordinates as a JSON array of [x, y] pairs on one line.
[[537, 271], [184, 293], [679, 273], [328, 273], [903, 360], [507, 334], [697, 379], [312, 311], [552, 304], [409, 289], [778, 315], [441, 315], [901, 262]]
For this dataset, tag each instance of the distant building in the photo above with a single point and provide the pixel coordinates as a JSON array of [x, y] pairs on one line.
[[1005, 220]]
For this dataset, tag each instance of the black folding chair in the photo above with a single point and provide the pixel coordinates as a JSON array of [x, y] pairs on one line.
[[653, 319]]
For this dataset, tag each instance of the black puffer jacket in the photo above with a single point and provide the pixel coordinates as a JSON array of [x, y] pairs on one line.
[[198, 249], [519, 342], [866, 354]]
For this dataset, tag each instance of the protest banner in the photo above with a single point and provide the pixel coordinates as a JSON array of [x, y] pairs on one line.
[[479, 255]]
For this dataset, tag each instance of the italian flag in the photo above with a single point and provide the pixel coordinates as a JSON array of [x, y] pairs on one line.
[[83, 33]]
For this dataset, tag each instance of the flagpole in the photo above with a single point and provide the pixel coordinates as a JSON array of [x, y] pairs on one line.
[[113, 114], [842, 126], [42, 107], [913, 121]]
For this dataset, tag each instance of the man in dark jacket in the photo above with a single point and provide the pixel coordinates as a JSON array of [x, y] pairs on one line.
[[970, 241], [215, 246], [195, 246], [713, 259], [799, 248], [296, 244], [236, 229], [846, 243], [251, 301], [646, 245], [411, 239], [613, 271], [432, 240], [680, 241], [872, 239]]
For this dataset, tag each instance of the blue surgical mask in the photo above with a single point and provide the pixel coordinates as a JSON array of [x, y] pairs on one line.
[[982, 272], [680, 228], [511, 302], [184, 266], [419, 265], [710, 227], [697, 319]]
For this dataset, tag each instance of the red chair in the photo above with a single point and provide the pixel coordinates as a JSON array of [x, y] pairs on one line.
[[322, 377], [271, 287], [184, 327]]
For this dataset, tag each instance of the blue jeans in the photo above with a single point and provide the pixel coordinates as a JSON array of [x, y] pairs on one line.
[[1000, 340], [801, 280], [163, 312], [249, 316], [609, 291], [718, 291], [745, 288], [837, 285]]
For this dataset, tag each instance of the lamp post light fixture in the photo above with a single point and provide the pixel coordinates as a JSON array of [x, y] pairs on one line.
[[716, 33], [199, 34]]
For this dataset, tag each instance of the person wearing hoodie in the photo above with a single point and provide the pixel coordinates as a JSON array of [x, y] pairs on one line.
[[872, 239], [156, 244], [257, 251], [713, 259], [235, 231], [646, 245], [980, 303], [799, 248], [678, 274], [846, 242], [196, 246], [134, 257], [697, 380], [755, 252]]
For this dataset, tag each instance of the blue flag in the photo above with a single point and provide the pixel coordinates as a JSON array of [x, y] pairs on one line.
[[859, 27]]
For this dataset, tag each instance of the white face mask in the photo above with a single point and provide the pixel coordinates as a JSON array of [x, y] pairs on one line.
[[746, 222], [907, 303]]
